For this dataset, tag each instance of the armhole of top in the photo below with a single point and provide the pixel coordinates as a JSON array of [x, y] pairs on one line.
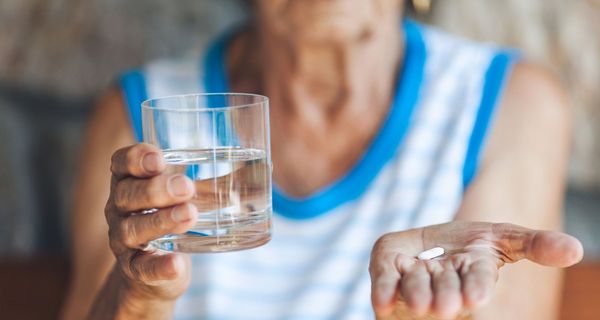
[[496, 77], [133, 85]]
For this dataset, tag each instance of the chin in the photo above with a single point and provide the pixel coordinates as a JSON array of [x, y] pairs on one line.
[[324, 20], [332, 31]]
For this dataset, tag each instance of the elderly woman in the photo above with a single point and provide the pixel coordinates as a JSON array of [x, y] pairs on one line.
[[388, 138]]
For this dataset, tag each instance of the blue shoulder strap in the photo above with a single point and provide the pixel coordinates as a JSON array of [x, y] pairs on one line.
[[134, 90], [495, 79]]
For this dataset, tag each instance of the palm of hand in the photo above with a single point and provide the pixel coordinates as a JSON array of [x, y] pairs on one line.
[[464, 277]]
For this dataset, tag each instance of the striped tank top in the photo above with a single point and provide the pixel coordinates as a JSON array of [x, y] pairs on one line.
[[413, 174]]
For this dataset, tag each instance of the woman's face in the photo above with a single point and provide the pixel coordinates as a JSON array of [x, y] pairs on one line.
[[327, 20]]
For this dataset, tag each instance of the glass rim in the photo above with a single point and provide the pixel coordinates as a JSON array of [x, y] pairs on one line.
[[263, 100]]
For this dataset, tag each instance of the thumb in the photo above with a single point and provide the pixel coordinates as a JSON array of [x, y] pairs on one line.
[[548, 248]]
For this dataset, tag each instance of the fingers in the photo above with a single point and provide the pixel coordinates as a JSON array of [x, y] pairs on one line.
[[549, 248], [478, 280], [385, 277], [137, 230], [555, 249], [467, 276], [446, 283], [140, 160], [415, 288], [395, 273], [131, 194], [153, 269]]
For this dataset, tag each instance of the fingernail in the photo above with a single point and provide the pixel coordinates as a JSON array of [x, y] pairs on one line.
[[151, 162], [179, 185], [180, 213]]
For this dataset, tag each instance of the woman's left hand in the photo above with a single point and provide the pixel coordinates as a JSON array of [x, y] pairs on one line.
[[464, 277]]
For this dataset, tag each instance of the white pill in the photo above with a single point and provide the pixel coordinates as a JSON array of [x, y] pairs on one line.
[[431, 253]]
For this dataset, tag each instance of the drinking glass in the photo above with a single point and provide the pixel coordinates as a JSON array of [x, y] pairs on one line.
[[221, 142]]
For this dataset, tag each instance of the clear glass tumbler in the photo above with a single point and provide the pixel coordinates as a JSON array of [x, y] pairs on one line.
[[221, 142]]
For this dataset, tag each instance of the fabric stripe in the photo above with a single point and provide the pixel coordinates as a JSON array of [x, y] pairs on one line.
[[495, 79], [133, 85]]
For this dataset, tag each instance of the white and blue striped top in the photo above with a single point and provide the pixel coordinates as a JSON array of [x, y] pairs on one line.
[[413, 174]]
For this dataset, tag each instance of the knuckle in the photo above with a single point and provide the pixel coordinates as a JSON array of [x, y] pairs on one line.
[[132, 159], [128, 234], [382, 263], [382, 244], [388, 256], [109, 209], [115, 246], [382, 259], [122, 195], [134, 194], [114, 160], [117, 158], [114, 241]]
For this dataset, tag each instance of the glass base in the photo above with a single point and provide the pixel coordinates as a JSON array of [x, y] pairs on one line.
[[241, 234], [199, 244]]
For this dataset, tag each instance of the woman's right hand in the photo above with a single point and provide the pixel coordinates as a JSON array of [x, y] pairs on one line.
[[139, 184]]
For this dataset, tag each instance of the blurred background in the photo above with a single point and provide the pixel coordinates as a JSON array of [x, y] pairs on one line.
[[57, 56]]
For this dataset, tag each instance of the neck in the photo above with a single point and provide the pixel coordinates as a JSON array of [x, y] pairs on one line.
[[326, 99], [332, 78]]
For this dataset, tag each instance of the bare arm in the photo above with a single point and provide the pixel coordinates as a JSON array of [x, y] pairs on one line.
[[114, 183], [92, 259], [521, 181]]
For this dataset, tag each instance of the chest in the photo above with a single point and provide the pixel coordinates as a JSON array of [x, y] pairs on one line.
[[308, 157]]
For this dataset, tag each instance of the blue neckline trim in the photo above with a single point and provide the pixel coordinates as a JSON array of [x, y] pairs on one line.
[[134, 88], [495, 78], [382, 149]]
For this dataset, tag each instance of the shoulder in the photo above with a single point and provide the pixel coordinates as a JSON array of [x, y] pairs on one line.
[[535, 101], [181, 74], [533, 117], [533, 91], [532, 99], [454, 57], [109, 119]]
